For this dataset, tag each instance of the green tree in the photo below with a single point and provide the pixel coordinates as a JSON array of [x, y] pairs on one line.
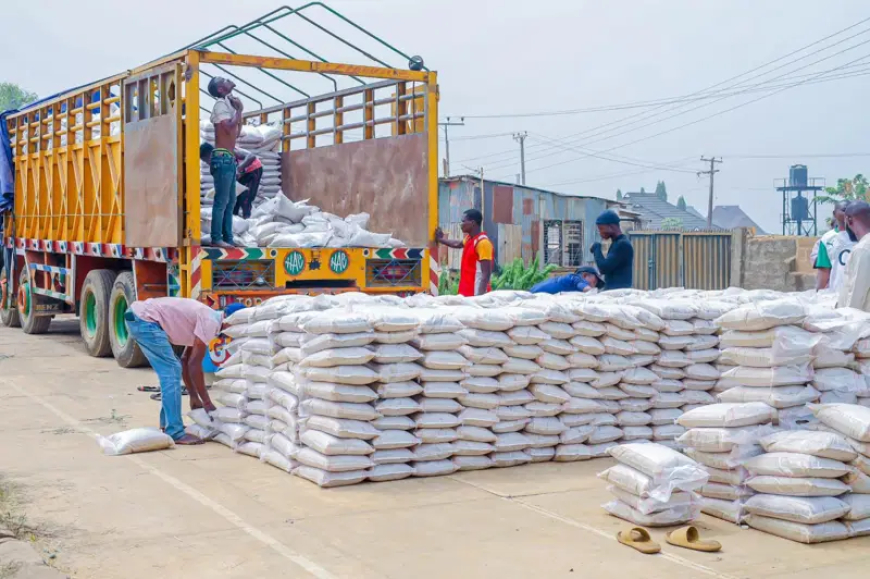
[[13, 96], [661, 191], [619, 194], [846, 190], [681, 203], [642, 190], [671, 223]]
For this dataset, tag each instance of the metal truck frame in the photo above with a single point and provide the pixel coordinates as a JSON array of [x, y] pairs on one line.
[[107, 197]]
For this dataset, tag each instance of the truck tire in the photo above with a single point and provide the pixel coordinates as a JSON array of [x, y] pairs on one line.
[[8, 316], [27, 300], [94, 312], [124, 348]]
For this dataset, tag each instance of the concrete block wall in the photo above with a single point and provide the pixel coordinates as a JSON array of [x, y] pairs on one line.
[[779, 263]]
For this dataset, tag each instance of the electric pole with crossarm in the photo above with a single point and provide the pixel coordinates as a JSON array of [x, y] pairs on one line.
[[711, 172]]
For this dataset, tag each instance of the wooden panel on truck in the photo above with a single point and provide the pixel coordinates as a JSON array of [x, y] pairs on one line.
[[387, 178], [152, 211]]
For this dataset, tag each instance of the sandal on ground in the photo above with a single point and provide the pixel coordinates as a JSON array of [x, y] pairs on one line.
[[638, 539], [690, 538]]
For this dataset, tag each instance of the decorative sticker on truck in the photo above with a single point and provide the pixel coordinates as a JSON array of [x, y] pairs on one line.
[[294, 263], [339, 262]]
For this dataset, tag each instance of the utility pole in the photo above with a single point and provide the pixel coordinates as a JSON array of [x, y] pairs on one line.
[[521, 139], [711, 172], [446, 126]]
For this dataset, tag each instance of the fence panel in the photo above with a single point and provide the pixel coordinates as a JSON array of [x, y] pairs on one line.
[[707, 260], [696, 260]]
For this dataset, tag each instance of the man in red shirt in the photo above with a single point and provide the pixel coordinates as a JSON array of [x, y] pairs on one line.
[[477, 254]]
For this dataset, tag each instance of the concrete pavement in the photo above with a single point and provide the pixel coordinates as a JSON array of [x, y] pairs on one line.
[[206, 512]]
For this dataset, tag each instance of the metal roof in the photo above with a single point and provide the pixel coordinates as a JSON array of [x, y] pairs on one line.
[[653, 210], [476, 179], [732, 217]]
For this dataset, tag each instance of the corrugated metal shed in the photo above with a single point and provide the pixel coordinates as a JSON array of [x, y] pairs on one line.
[[515, 217]]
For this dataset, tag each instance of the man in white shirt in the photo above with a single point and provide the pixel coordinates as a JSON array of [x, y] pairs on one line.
[[855, 291], [833, 252]]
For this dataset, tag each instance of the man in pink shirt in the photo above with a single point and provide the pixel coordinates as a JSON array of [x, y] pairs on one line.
[[159, 323]]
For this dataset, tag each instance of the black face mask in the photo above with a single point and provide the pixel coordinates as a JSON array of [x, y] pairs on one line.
[[852, 236]]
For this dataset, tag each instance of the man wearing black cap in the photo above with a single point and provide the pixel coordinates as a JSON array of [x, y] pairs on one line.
[[618, 265], [585, 279]]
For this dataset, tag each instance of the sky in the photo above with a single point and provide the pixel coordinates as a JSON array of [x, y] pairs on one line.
[[511, 57]]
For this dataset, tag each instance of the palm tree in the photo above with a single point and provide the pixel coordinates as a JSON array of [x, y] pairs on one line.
[[846, 190]]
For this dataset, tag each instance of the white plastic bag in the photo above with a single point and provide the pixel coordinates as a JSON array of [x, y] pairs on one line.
[[850, 420], [821, 444], [806, 510], [665, 518], [135, 440], [668, 469], [823, 532], [728, 415]]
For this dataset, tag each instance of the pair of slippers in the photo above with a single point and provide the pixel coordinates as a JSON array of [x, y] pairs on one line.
[[687, 537]]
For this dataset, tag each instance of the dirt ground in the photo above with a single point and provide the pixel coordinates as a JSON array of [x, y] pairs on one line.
[[207, 512]]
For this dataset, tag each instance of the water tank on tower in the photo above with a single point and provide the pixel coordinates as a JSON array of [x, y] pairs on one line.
[[800, 208], [797, 176]]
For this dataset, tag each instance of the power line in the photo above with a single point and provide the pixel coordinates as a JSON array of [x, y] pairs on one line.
[[622, 106], [620, 158], [705, 90], [863, 70], [615, 175], [477, 137], [701, 119], [800, 156]]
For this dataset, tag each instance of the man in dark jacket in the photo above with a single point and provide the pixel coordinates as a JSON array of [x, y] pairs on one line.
[[618, 265]]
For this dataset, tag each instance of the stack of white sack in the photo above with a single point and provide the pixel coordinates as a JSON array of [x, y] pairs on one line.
[[241, 388], [654, 485], [684, 367], [862, 355], [280, 222], [852, 422], [772, 357], [610, 374], [843, 335], [798, 486], [721, 437], [335, 387]]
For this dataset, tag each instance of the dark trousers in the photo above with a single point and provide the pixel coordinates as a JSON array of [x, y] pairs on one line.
[[245, 201]]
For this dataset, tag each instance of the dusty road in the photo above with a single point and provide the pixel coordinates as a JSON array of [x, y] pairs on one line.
[[206, 512]]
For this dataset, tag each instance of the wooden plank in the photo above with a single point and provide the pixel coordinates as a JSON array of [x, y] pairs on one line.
[[152, 217], [385, 177]]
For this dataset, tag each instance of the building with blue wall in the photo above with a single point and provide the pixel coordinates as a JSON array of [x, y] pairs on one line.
[[523, 221]]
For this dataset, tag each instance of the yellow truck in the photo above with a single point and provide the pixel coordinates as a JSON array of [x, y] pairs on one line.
[[107, 181]]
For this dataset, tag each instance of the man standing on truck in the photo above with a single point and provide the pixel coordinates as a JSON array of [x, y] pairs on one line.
[[477, 253], [159, 323], [251, 170], [226, 116], [617, 266]]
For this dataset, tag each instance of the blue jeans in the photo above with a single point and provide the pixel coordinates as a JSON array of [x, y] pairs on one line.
[[223, 169], [155, 345]]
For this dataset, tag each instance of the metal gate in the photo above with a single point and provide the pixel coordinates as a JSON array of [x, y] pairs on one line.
[[696, 260]]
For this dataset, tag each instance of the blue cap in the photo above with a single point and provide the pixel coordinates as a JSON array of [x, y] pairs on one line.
[[609, 217], [233, 308]]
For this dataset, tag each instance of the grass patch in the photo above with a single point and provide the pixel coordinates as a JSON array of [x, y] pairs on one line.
[[12, 518]]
